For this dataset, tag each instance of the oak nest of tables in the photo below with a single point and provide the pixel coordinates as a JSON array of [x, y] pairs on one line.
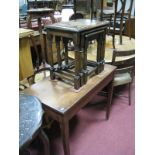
[[81, 32]]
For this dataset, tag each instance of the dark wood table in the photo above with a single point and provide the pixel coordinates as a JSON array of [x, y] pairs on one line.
[[81, 32], [61, 102]]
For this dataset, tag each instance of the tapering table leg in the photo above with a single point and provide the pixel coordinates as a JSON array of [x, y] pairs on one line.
[[110, 94], [64, 125], [45, 141]]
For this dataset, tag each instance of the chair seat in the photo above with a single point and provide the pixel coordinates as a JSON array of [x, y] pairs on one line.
[[121, 79]]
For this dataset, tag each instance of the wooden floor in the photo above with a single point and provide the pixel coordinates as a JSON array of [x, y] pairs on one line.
[[126, 45]]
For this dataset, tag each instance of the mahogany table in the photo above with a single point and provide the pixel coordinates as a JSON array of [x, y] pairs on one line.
[[61, 102]]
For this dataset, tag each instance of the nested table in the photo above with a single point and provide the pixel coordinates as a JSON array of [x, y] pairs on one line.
[[81, 32], [61, 102]]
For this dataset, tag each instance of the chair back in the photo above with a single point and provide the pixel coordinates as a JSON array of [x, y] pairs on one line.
[[126, 60]]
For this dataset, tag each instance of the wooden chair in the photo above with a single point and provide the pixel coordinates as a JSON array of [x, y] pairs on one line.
[[124, 73], [118, 18]]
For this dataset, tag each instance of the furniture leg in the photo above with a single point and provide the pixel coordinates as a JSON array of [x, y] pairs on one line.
[[65, 42], [98, 58], [45, 141], [110, 94], [49, 40], [103, 45], [58, 52], [77, 78], [115, 14], [41, 41], [64, 125], [78, 65], [101, 16], [129, 17], [36, 51], [85, 72], [92, 9], [29, 21], [102, 51], [121, 24]]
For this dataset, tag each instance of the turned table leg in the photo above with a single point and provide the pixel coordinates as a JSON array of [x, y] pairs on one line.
[[78, 59]]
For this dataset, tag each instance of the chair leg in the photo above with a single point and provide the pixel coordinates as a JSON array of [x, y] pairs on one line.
[[129, 93]]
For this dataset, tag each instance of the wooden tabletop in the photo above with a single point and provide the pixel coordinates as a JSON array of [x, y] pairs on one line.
[[61, 96], [77, 25]]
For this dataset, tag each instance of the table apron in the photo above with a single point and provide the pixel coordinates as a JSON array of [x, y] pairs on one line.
[[52, 113], [80, 104], [61, 34]]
